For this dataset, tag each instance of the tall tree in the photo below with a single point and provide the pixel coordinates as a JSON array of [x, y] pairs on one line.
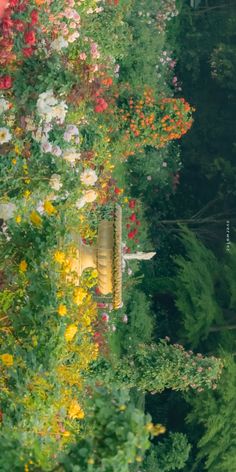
[[215, 412], [204, 291]]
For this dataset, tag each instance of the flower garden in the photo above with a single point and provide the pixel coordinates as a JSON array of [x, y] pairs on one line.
[[70, 120]]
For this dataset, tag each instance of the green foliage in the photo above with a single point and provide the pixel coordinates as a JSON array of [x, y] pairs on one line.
[[116, 435], [170, 454], [139, 66], [215, 412], [140, 321], [156, 367], [194, 288]]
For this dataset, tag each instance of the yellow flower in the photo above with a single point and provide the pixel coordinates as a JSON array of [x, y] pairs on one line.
[[59, 257], [18, 219], [17, 149], [138, 459], [70, 332], [149, 427], [60, 294], [90, 461], [27, 194], [49, 208], [7, 359], [14, 161], [79, 295], [158, 429], [75, 411], [27, 181], [62, 310], [66, 434], [35, 218], [122, 408], [23, 266]]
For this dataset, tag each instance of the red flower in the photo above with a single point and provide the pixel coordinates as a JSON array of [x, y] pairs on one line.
[[7, 24], [131, 234], [132, 203], [138, 223], [34, 17], [101, 105], [132, 217], [30, 37], [117, 190], [19, 25], [5, 82], [101, 305], [27, 52], [12, 3], [128, 226], [97, 291]]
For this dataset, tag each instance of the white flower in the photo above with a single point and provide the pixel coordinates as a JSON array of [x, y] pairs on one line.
[[59, 112], [55, 182], [49, 108], [71, 130], [59, 43], [40, 207], [90, 196], [5, 135], [80, 203], [88, 177], [7, 210], [4, 105], [72, 37], [45, 102], [71, 156], [56, 151]]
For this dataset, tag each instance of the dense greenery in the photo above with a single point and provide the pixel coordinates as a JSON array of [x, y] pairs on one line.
[[74, 373]]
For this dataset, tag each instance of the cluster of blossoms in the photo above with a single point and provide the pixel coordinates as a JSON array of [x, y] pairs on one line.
[[166, 12], [19, 24], [66, 27], [133, 222], [147, 122], [49, 108], [167, 64]]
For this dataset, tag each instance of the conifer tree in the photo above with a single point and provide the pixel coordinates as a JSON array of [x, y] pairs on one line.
[[204, 289], [215, 412]]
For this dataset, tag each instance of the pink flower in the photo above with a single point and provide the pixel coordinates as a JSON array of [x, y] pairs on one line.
[[105, 317], [82, 56]]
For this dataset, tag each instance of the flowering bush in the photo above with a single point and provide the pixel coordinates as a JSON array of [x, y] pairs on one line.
[[148, 123]]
